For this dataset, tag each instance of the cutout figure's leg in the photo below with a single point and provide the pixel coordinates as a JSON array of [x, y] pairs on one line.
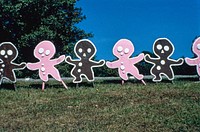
[[1, 80], [90, 76], [77, 79], [43, 86], [135, 72], [170, 75], [11, 77], [43, 77], [156, 74], [55, 74], [123, 74], [77, 76]]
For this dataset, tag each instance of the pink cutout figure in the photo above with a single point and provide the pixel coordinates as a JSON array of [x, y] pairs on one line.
[[44, 51], [123, 49], [195, 61]]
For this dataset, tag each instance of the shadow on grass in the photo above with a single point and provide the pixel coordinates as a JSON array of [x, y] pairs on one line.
[[8, 86], [59, 85]]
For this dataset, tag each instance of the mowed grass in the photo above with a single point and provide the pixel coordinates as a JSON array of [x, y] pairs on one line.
[[104, 107]]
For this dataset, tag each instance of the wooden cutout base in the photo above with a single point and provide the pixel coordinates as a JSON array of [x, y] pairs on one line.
[[14, 86], [122, 82], [43, 86], [64, 84], [143, 82], [77, 85]]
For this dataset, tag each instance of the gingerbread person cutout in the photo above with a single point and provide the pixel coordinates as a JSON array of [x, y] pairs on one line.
[[195, 61], [8, 53], [163, 49], [123, 50], [44, 51], [85, 51]]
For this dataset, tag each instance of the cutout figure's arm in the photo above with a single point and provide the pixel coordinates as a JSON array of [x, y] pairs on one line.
[[148, 59], [69, 60], [137, 59], [20, 66], [99, 63], [179, 61], [33, 66], [192, 62], [59, 60], [113, 64]]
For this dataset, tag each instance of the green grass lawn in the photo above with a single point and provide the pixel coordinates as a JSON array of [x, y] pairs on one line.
[[104, 107]]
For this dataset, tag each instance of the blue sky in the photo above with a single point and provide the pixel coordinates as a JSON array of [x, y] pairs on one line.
[[142, 22]]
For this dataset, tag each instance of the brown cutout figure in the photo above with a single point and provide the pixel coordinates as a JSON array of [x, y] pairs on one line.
[[8, 53], [163, 49], [85, 51]]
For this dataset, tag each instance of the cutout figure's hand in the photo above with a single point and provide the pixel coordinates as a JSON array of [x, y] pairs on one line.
[[180, 61], [61, 59], [32, 66], [191, 62], [141, 56], [21, 66], [109, 64], [147, 57], [101, 62], [68, 59]]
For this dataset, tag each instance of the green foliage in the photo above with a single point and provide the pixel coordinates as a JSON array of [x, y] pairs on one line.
[[27, 22], [185, 69], [104, 71]]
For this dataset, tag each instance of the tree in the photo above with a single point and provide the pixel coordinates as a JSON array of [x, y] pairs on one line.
[[27, 22]]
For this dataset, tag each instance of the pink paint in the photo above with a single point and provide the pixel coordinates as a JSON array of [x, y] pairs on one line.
[[44, 51], [195, 61], [123, 50]]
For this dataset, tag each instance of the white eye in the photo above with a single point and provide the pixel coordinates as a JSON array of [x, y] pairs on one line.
[[89, 50], [3, 52], [159, 47], [80, 50], [119, 49], [41, 50], [198, 46], [9, 52], [166, 48], [126, 51], [47, 52]]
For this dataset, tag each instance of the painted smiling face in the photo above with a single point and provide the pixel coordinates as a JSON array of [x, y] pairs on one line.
[[8, 52], [124, 48], [163, 48], [44, 50], [196, 46], [85, 50]]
